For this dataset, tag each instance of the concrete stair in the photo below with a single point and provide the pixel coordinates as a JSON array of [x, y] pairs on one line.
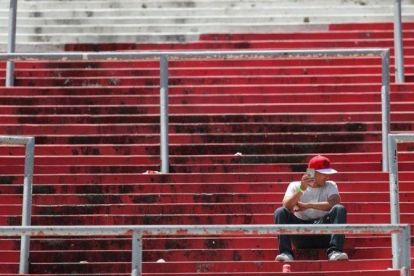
[[41, 23], [97, 130]]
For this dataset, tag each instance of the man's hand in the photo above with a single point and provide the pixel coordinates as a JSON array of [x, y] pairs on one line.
[[306, 181], [301, 206]]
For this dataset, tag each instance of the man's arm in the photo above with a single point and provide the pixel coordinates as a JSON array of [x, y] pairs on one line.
[[324, 206], [291, 201]]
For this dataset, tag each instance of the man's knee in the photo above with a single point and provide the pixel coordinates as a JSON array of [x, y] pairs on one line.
[[340, 209], [281, 215], [340, 212]]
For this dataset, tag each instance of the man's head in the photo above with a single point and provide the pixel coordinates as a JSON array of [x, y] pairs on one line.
[[323, 170]]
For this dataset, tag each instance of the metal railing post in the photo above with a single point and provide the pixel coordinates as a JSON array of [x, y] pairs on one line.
[[11, 42], [136, 269], [164, 114], [406, 251], [399, 259], [394, 198], [27, 205], [398, 43], [385, 107]]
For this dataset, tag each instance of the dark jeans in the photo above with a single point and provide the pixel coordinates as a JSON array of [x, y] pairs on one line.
[[337, 215]]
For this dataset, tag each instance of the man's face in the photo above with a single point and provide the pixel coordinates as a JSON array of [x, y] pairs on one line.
[[320, 179]]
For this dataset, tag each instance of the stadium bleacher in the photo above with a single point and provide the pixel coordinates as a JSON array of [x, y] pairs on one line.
[[240, 131]]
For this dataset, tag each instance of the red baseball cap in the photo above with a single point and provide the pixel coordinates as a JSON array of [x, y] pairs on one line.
[[321, 164]]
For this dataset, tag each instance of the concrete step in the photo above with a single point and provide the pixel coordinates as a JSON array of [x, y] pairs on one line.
[[193, 4], [191, 255], [192, 178], [261, 8], [329, 35], [201, 209], [302, 117], [197, 99], [379, 26], [295, 161], [15, 190], [179, 109], [212, 267], [185, 139], [192, 27], [175, 243], [144, 41], [186, 168], [323, 88], [275, 45], [190, 81], [179, 219], [162, 202], [287, 109], [202, 129], [201, 149], [345, 273], [236, 208]]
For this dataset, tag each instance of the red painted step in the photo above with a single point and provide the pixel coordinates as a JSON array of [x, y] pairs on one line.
[[203, 187], [60, 206], [178, 219], [343, 34], [216, 267], [194, 178], [300, 117], [186, 243], [368, 26], [163, 200], [296, 160], [201, 149], [203, 109], [182, 139], [199, 128], [194, 255], [183, 243], [199, 71], [344, 273], [264, 98], [242, 44], [190, 81], [187, 168], [209, 89]]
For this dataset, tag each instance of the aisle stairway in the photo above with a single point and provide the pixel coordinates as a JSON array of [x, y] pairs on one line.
[[239, 133]]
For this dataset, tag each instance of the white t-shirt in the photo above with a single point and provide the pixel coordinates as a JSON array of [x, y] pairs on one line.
[[320, 194]]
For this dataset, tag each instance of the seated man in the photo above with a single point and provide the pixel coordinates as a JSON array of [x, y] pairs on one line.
[[313, 200]]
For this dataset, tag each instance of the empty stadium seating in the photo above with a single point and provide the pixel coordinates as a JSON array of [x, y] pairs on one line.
[[41, 23], [240, 131]]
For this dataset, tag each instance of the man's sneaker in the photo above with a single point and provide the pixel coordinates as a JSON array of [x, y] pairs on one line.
[[284, 257], [338, 256]]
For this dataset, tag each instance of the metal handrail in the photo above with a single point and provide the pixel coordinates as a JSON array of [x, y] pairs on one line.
[[11, 45], [165, 56], [398, 43], [401, 261], [393, 140], [29, 143]]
